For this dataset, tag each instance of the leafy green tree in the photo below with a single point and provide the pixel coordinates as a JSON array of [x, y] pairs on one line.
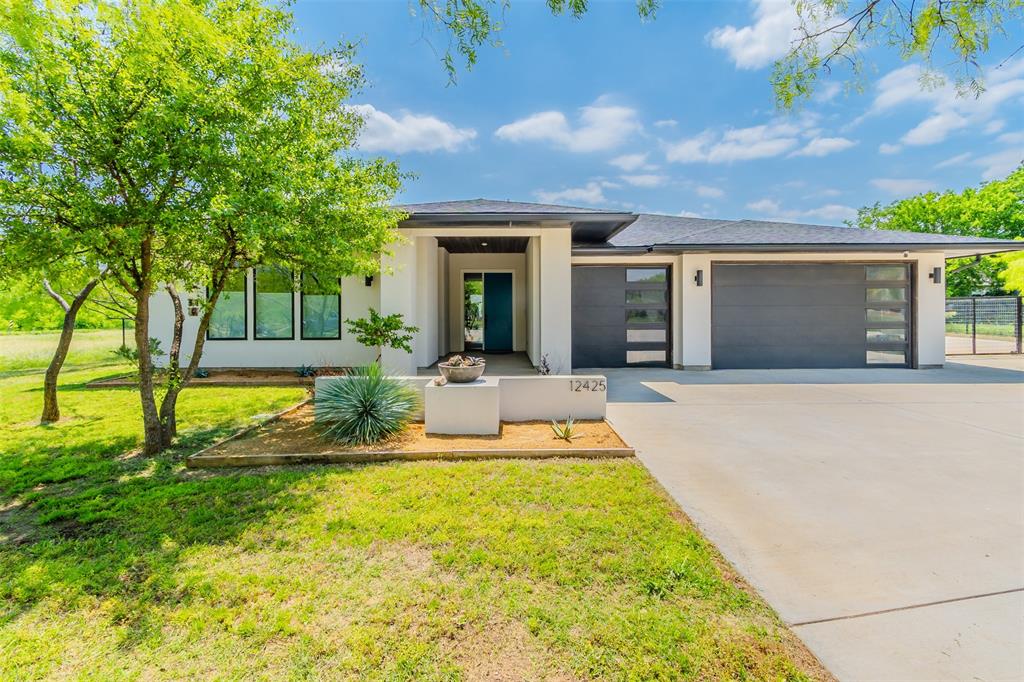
[[1013, 273], [175, 141], [25, 306], [949, 36], [993, 209], [382, 331]]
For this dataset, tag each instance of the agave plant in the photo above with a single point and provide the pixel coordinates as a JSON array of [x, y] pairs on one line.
[[566, 432], [366, 407]]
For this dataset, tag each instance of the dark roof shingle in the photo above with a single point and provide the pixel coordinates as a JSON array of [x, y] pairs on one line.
[[654, 230]]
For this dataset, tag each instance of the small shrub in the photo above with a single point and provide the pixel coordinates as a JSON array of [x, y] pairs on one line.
[[382, 331], [201, 373], [130, 354], [566, 432], [367, 407], [306, 371], [544, 369]]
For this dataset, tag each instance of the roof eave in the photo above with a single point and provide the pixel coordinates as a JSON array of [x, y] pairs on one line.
[[610, 250]]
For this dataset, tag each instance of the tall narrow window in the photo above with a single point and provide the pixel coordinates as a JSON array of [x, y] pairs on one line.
[[274, 309], [228, 319], [321, 307]]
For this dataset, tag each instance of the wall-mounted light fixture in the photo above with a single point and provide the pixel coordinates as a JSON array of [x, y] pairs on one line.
[[936, 275], [368, 281], [699, 278]]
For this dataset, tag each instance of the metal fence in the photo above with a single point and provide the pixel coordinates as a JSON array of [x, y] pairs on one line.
[[983, 324]]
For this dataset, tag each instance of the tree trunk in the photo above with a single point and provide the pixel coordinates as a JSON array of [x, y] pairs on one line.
[[168, 415], [150, 414], [51, 410], [178, 380]]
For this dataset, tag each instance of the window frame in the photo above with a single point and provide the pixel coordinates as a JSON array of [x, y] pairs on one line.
[[245, 312], [302, 314], [255, 298]]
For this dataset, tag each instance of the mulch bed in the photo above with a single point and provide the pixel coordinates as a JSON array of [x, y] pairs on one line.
[[294, 438]]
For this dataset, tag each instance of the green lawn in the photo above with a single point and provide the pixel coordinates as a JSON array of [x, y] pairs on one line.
[[113, 566], [984, 329], [20, 351]]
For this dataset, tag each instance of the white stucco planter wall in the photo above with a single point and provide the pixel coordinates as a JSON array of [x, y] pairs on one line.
[[471, 409], [519, 398]]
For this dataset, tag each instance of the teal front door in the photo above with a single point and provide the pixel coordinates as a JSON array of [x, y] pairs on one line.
[[497, 312]]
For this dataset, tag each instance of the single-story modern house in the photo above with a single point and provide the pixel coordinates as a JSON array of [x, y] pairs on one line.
[[588, 288]]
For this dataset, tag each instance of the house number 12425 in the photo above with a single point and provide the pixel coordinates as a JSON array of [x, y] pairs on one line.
[[583, 385]]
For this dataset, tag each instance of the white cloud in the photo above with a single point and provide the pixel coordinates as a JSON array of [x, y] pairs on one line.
[[954, 160], [1016, 138], [993, 127], [822, 193], [709, 192], [592, 193], [764, 41], [736, 144], [999, 164], [886, 148], [765, 206], [835, 213], [666, 123], [902, 186], [934, 129], [823, 146], [409, 132], [689, 214], [601, 126], [629, 162], [949, 112], [645, 180], [828, 92]]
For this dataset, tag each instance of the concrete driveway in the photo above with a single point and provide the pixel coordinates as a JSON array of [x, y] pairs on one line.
[[880, 512]]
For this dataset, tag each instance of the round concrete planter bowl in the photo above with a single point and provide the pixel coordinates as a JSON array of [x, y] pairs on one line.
[[461, 375]]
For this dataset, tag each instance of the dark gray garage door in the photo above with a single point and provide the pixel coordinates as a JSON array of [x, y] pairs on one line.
[[810, 315], [620, 316]]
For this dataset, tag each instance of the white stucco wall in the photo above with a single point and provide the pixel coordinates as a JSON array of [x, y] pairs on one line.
[[425, 347], [398, 295], [931, 311], [356, 299], [533, 300], [556, 298], [459, 263], [694, 326], [443, 297]]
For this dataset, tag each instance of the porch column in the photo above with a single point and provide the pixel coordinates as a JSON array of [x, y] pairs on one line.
[[398, 295], [426, 301], [556, 298]]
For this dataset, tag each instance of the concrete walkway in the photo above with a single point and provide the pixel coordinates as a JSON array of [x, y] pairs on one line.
[[880, 512]]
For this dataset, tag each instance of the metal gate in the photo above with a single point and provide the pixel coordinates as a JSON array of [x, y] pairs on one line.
[[983, 324]]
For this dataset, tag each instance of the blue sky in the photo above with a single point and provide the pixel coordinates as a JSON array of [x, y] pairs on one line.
[[672, 116]]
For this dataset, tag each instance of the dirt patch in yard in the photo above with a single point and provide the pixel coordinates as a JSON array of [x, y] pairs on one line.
[[296, 433]]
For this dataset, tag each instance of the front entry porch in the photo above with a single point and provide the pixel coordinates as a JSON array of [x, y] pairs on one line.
[[478, 289]]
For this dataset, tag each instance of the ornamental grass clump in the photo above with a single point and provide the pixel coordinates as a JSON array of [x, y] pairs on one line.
[[366, 407]]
